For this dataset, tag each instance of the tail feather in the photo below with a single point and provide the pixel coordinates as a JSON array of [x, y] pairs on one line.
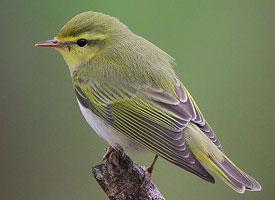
[[235, 177], [213, 164], [256, 186], [212, 158]]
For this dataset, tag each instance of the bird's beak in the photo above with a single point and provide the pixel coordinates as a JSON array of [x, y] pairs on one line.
[[48, 43]]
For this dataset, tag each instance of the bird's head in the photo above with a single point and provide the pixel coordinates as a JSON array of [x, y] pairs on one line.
[[85, 36]]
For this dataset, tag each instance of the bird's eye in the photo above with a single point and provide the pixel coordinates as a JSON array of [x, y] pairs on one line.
[[81, 42]]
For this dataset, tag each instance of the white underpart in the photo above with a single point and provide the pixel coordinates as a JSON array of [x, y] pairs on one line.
[[107, 132]]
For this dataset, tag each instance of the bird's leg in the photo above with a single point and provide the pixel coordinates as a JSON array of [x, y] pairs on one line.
[[150, 169], [109, 150]]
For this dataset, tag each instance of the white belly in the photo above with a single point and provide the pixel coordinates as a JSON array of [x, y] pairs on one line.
[[108, 133]]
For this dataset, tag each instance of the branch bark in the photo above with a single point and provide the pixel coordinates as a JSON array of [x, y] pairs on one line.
[[121, 179]]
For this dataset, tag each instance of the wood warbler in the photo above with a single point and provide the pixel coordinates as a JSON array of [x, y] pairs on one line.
[[129, 94]]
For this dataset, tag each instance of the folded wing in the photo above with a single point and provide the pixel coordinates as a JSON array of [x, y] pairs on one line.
[[151, 117]]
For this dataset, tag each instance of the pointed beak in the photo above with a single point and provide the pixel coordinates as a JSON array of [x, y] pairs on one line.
[[48, 43]]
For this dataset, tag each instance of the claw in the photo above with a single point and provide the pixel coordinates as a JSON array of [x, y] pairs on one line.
[[109, 150]]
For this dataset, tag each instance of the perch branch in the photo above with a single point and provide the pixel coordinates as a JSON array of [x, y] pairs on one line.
[[121, 179]]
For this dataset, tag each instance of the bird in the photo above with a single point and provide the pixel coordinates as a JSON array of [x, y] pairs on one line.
[[130, 95]]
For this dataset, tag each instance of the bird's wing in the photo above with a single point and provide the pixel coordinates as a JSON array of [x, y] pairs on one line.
[[149, 116], [197, 117]]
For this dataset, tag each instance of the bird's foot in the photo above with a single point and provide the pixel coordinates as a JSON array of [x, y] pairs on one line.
[[149, 171], [109, 150]]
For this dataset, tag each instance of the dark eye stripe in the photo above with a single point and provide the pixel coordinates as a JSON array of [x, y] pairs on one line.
[[83, 42]]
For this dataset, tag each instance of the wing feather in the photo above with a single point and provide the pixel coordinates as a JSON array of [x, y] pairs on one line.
[[149, 116], [197, 117]]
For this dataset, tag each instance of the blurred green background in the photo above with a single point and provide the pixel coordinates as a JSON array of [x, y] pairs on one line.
[[225, 56]]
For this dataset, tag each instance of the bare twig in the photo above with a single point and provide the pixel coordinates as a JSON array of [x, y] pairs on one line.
[[121, 179]]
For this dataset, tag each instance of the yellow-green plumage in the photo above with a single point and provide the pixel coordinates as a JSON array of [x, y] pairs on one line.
[[129, 93]]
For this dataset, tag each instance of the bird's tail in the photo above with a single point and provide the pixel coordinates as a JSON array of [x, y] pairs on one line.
[[212, 158], [234, 177]]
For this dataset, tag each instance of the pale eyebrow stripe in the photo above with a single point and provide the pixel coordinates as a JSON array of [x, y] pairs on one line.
[[86, 36]]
